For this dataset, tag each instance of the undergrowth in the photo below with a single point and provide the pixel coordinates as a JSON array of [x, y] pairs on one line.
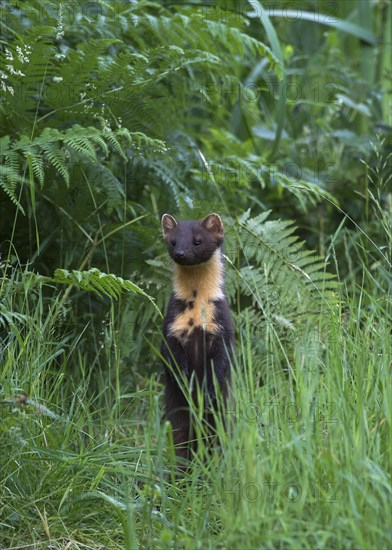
[[266, 116], [88, 462]]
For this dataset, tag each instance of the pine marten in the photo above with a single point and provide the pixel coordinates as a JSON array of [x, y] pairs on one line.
[[198, 332]]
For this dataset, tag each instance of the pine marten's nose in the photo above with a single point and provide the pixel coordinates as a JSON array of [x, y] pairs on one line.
[[179, 254]]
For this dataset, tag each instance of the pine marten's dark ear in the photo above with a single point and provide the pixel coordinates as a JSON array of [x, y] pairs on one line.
[[214, 225], [168, 224]]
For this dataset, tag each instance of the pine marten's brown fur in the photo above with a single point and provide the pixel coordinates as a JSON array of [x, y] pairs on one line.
[[198, 332]]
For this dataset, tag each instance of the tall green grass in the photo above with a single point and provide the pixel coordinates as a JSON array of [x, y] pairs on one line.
[[87, 464]]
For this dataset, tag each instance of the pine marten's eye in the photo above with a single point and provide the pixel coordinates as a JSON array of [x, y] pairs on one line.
[[173, 242], [196, 242]]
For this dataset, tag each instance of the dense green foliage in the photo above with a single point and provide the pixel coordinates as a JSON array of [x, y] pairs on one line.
[[113, 113]]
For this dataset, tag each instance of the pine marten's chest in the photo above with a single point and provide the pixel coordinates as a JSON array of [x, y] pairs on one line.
[[197, 289], [199, 312]]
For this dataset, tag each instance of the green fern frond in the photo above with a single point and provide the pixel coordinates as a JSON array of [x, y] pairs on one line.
[[102, 284], [80, 140], [9, 179], [286, 283], [215, 36], [111, 138], [142, 140], [37, 164], [9, 171], [232, 37], [55, 156], [86, 142]]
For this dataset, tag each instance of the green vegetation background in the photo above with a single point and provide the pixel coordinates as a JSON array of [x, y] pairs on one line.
[[277, 116]]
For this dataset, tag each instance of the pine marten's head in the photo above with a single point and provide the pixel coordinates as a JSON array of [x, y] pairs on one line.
[[192, 242]]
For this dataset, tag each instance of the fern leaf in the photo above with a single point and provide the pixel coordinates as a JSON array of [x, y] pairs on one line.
[[286, 282], [8, 181], [55, 157], [100, 283], [37, 165], [77, 139]]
